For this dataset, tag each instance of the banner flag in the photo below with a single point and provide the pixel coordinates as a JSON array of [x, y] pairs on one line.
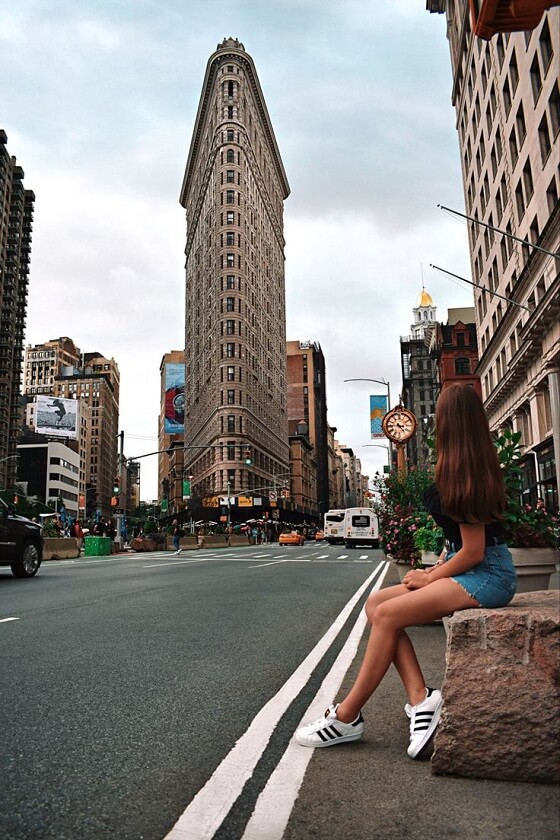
[[377, 411]]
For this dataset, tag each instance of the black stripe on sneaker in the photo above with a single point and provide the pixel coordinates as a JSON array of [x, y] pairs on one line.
[[337, 734], [321, 736]]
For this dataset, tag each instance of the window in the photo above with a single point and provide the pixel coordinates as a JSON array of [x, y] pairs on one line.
[[230, 260], [230, 239], [544, 139], [513, 72], [230, 327], [552, 195], [230, 197], [536, 81], [519, 201], [520, 125], [554, 110], [231, 374], [230, 135], [231, 423], [527, 181], [230, 304], [230, 176], [230, 281], [507, 97], [230, 156], [461, 339], [230, 396], [230, 217], [545, 45]]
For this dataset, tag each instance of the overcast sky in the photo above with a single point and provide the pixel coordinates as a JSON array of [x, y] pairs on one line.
[[99, 100]]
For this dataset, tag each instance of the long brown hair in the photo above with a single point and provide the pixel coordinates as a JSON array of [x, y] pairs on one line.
[[468, 475]]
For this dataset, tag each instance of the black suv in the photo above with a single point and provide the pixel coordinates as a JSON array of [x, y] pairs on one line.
[[21, 542]]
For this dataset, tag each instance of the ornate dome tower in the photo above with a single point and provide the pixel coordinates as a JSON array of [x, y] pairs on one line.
[[424, 314]]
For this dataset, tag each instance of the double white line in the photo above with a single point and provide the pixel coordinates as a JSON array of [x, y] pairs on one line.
[[211, 805]]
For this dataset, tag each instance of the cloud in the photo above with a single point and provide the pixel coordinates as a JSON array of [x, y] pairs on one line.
[[99, 102]]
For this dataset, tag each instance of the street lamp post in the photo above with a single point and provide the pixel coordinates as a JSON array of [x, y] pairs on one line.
[[381, 446], [387, 385]]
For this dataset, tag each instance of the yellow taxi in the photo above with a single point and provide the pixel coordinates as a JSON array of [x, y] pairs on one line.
[[291, 538]]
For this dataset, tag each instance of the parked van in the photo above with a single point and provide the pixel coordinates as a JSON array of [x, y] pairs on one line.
[[361, 527], [333, 526]]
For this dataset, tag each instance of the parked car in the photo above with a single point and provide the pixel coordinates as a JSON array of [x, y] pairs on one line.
[[291, 538], [21, 542]]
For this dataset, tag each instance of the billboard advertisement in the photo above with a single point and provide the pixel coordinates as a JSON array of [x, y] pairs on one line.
[[174, 419], [56, 417], [377, 411]]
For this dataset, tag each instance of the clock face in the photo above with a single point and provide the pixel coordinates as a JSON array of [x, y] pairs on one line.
[[399, 424]]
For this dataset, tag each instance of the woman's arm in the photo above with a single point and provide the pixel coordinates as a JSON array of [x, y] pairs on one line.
[[473, 540]]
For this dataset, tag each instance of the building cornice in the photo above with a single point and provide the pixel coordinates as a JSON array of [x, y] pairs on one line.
[[221, 56]]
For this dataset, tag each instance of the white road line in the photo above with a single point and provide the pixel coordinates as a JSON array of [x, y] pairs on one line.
[[207, 811], [270, 563], [363, 557], [322, 556], [276, 801], [11, 618], [342, 557], [175, 563]]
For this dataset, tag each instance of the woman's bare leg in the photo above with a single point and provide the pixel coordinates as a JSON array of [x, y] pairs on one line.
[[391, 616], [405, 660]]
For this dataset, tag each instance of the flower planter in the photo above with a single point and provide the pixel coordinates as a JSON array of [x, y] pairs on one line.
[[534, 567], [429, 558]]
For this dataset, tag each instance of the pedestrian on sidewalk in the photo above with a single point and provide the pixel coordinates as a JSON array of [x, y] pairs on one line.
[[176, 538], [468, 501]]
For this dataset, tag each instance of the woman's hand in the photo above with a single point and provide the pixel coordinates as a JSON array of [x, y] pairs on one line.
[[416, 578]]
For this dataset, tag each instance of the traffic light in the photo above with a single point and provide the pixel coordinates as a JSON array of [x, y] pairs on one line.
[[116, 486], [247, 456]]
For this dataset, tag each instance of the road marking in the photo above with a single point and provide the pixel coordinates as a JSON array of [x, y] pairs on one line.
[[175, 563], [270, 563], [276, 801], [342, 557], [11, 618], [363, 557], [207, 811]]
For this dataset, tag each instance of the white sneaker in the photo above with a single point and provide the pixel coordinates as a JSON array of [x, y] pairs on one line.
[[424, 719], [329, 730], [179, 551], [408, 707]]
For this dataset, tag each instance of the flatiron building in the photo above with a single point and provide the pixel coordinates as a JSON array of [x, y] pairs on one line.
[[235, 331]]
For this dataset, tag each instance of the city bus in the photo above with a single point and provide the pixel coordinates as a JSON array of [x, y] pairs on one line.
[[333, 526], [361, 527]]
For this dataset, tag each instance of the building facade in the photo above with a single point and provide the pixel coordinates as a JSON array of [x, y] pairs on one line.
[[16, 224], [235, 332], [506, 94], [49, 471], [307, 403], [419, 381], [58, 368], [171, 427]]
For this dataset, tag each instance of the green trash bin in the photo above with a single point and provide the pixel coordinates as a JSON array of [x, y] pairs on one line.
[[97, 546]]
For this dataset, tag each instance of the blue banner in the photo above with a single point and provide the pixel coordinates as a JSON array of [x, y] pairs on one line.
[[377, 411]]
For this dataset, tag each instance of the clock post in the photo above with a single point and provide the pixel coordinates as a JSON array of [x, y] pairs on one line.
[[399, 424]]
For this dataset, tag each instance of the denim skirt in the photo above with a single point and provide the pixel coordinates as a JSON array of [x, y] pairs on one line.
[[493, 581]]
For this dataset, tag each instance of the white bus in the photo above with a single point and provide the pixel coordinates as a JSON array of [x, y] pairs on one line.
[[333, 526], [361, 527]]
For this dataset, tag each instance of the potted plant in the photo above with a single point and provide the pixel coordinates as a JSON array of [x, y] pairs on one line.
[[429, 540], [532, 532]]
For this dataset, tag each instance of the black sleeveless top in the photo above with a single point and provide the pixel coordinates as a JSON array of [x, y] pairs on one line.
[[494, 531]]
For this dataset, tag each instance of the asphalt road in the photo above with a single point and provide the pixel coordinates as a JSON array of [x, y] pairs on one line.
[[127, 681]]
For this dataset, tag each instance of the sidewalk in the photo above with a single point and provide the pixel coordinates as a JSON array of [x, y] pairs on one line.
[[371, 790]]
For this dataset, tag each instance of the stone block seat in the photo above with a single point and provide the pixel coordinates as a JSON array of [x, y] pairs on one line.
[[501, 691]]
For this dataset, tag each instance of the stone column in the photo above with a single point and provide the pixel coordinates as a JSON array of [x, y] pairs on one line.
[[554, 390]]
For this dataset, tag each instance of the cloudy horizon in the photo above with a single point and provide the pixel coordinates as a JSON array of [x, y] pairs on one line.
[[100, 101]]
